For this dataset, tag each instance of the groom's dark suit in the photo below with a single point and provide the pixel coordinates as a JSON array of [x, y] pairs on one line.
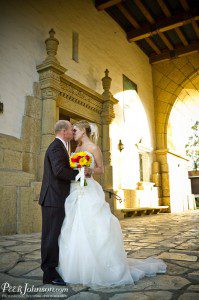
[[55, 188]]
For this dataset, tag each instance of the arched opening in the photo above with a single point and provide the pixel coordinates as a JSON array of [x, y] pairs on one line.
[[183, 115]]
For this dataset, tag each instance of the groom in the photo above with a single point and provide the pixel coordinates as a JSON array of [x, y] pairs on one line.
[[55, 188]]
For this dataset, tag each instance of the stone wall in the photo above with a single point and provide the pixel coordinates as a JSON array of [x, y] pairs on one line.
[[19, 209]]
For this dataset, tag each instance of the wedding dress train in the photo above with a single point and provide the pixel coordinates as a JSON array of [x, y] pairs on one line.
[[91, 249]]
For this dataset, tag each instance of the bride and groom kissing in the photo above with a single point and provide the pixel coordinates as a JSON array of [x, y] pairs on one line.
[[82, 240]]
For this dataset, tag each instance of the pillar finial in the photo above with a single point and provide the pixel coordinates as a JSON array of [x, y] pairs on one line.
[[106, 81], [51, 47]]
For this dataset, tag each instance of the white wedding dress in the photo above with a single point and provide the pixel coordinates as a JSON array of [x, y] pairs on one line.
[[91, 249]]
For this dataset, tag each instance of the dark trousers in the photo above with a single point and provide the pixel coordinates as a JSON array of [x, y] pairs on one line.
[[52, 219]]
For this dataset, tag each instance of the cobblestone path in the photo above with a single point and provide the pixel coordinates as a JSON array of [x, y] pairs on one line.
[[172, 237]]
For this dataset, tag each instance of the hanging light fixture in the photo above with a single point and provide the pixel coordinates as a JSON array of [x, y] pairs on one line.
[[120, 145]]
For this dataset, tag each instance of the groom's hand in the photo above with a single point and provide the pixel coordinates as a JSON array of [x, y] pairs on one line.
[[87, 172]]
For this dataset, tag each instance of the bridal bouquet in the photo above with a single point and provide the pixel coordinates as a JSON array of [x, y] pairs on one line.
[[79, 160]]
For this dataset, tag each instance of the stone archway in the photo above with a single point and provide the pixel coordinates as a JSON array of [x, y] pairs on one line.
[[163, 108], [171, 81], [184, 112]]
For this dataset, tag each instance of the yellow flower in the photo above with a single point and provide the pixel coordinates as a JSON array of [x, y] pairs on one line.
[[82, 153], [72, 165], [82, 161]]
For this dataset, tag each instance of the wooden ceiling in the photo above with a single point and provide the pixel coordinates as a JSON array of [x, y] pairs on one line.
[[163, 29]]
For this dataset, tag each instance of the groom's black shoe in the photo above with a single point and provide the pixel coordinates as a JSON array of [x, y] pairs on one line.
[[56, 281]]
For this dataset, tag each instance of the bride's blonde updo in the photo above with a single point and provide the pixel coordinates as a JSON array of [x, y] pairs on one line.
[[90, 128], [83, 124]]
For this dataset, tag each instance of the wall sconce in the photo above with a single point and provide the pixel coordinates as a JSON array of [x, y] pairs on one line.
[[1, 107], [120, 146]]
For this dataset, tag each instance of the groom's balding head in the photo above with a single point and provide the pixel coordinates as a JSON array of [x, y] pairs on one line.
[[64, 130], [62, 124]]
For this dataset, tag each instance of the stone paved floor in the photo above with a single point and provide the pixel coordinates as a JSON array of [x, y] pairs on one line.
[[173, 237]]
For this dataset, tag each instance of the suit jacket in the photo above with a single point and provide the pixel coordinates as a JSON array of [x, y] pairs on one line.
[[57, 175]]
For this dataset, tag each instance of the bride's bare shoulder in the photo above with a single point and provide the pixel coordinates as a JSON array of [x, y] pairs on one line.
[[94, 147], [77, 149]]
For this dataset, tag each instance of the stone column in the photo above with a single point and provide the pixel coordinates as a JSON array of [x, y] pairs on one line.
[[107, 116], [161, 157], [49, 77], [156, 178]]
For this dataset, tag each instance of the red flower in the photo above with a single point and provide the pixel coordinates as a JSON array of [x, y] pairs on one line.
[[73, 159], [78, 158], [79, 166], [87, 157]]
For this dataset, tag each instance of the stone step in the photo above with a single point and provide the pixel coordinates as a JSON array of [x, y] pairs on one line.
[[15, 178], [129, 212]]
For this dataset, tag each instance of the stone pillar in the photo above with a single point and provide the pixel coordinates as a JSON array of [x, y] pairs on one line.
[[156, 178], [161, 157], [107, 116], [49, 77]]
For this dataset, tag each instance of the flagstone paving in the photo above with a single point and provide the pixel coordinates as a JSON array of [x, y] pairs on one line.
[[172, 237]]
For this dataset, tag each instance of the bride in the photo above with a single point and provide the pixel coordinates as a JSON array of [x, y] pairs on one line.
[[91, 249]]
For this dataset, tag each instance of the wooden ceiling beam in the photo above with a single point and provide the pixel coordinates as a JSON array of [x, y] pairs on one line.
[[162, 26], [102, 5], [195, 27], [180, 51], [194, 23], [164, 8], [144, 11], [136, 25], [181, 36], [184, 5], [166, 41], [167, 13], [151, 20], [128, 16], [153, 45]]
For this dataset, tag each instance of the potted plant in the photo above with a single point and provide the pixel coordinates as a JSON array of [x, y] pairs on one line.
[[192, 149]]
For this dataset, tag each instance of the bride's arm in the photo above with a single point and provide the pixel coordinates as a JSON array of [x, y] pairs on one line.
[[99, 168]]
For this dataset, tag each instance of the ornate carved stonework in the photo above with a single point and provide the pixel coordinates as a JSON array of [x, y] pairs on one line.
[[109, 101], [108, 112], [50, 70], [51, 47], [71, 93], [49, 92], [106, 81]]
